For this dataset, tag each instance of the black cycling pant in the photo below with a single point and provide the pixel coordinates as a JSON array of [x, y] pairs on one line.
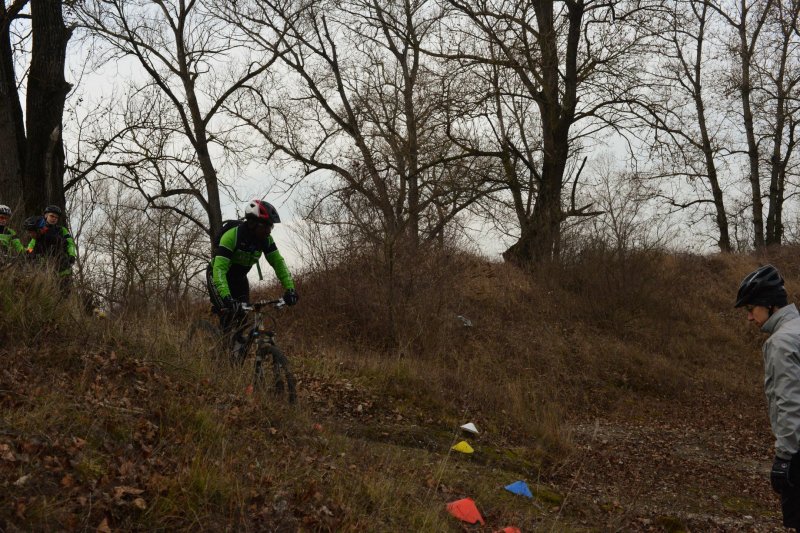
[[240, 291], [790, 505]]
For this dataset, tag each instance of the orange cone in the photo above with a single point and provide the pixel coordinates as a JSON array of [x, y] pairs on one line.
[[465, 510]]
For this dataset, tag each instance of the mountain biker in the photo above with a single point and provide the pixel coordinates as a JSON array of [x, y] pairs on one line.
[[9, 242], [764, 296], [52, 242], [32, 225], [240, 247]]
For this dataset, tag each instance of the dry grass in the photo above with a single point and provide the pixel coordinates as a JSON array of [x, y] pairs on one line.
[[92, 408]]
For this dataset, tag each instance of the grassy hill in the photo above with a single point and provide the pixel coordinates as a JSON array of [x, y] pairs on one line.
[[625, 390]]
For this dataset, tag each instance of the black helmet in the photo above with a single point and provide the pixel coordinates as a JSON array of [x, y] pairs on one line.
[[33, 223], [52, 209], [763, 286]]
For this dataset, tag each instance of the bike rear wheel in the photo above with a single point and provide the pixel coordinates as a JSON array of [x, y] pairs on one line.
[[282, 378]]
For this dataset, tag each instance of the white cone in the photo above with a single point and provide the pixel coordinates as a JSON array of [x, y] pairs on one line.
[[469, 426]]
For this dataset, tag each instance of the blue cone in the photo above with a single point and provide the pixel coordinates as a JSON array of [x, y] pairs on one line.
[[521, 488]]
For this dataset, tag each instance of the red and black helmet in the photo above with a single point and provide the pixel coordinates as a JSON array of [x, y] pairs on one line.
[[261, 211]]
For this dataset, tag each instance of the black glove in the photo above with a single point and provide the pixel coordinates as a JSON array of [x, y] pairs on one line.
[[779, 476], [71, 260], [290, 297], [231, 305]]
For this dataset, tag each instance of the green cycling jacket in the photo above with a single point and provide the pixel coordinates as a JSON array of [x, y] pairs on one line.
[[55, 241], [9, 242], [238, 251]]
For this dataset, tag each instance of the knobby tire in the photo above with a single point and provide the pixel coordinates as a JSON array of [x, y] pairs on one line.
[[281, 373]]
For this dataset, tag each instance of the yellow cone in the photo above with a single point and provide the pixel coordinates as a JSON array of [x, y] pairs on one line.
[[463, 447]]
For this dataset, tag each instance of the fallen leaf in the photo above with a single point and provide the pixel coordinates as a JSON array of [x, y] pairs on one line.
[[121, 491], [104, 527]]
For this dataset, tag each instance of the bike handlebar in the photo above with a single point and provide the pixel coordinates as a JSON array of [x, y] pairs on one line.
[[257, 306]]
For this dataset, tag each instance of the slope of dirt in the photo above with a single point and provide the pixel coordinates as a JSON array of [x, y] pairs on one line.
[[639, 415]]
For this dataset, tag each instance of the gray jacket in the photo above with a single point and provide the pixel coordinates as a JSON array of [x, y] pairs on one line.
[[782, 378]]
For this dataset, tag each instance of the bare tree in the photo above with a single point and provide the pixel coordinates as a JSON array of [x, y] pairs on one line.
[[779, 68], [191, 63], [365, 106], [747, 20], [12, 129], [32, 159], [688, 139], [133, 255], [629, 220], [578, 61]]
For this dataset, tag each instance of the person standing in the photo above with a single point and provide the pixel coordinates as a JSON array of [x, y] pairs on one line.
[[764, 297], [54, 241]]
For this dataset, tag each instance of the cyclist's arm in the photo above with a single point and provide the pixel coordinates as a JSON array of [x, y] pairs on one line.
[[71, 251], [11, 242], [31, 246], [222, 262], [276, 261]]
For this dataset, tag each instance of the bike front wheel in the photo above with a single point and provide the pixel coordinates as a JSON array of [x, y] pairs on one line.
[[282, 378]]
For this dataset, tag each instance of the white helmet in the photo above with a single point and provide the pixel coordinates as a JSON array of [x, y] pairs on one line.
[[5, 210]]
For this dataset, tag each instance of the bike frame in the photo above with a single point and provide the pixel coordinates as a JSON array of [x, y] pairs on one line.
[[256, 332], [264, 339]]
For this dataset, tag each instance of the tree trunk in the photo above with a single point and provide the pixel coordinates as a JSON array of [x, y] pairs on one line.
[[747, 115], [724, 241], [213, 207], [776, 184], [46, 93], [721, 217], [540, 236], [12, 129], [199, 136], [777, 162]]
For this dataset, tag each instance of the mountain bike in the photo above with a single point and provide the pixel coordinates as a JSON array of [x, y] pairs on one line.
[[257, 331]]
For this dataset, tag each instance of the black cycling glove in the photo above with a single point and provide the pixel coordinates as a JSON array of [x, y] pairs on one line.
[[780, 476], [290, 297], [231, 305]]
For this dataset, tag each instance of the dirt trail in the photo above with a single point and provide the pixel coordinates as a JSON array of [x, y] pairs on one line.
[[675, 470]]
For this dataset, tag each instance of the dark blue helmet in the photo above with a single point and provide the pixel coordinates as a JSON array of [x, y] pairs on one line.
[[763, 286], [33, 223], [53, 209]]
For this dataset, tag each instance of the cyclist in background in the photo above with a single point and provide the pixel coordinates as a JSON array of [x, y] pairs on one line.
[[240, 247], [52, 243], [10, 244]]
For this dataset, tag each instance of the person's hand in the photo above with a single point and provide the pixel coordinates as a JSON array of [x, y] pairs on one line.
[[231, 305], [290, 297], [794, 469], [780, 475]]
